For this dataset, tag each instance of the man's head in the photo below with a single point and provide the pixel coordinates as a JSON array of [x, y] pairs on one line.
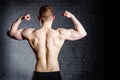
[[46, 13]]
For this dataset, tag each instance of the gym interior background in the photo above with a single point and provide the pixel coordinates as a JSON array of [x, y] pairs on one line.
[[79, 60]]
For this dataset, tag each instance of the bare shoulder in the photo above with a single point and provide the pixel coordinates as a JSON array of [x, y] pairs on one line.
[[27, 32], [29, 29], [64, 33], [63, 30], [60, 29]]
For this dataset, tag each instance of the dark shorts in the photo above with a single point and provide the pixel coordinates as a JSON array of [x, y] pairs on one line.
[[47, 76]]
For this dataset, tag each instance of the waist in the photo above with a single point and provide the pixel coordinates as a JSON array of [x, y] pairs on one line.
[[49, 66], [47, 75], [52, 72], [47, 70]]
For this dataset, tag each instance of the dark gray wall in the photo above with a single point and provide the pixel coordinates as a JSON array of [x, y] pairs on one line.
[[79, 60]]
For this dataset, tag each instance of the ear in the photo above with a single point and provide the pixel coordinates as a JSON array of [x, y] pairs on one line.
[[39, 18], [53, 18]]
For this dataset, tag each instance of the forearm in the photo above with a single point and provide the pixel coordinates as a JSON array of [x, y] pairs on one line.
[[78, 26], [15, 25]]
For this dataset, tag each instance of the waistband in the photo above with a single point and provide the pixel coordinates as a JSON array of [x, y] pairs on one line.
[[50, 73]]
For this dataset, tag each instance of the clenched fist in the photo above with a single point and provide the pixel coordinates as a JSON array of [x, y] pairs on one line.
[[68, 14], [27, 17]]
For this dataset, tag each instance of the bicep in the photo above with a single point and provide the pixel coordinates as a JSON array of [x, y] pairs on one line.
[[16, 34], [21, 34], [69, 34], [27, 32]]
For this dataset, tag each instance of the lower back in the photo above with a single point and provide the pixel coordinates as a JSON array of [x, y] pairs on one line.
[[47, 65]]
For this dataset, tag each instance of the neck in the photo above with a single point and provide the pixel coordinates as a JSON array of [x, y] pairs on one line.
[[47, 24]]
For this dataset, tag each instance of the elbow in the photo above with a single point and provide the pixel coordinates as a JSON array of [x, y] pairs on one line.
[[85, 34], [14, 35], [82, 35], [11, 34]]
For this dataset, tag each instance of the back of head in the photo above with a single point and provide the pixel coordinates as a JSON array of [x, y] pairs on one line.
[[46, 12]]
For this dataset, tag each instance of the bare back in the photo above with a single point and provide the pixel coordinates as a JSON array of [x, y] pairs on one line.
[[46, 43]]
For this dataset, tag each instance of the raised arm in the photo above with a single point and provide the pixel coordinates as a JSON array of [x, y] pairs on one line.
[[72, 34], [19, 34]]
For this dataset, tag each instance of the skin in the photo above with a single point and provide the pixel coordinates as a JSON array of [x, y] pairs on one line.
[[46, 42]]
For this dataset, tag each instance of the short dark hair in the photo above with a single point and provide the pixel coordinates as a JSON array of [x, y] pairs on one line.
[[45, 12]]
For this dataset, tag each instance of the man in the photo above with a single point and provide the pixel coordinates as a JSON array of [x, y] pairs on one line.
[[47, 42]]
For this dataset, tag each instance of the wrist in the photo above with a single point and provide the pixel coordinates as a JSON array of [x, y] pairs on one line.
[[22, 18], [72, 16]]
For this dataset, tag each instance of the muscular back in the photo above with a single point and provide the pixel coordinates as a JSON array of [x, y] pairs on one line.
[[46, 43]]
